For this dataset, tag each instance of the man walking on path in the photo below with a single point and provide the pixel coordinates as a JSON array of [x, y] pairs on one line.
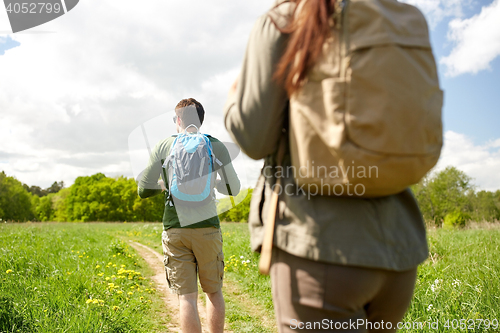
[[192, 240]]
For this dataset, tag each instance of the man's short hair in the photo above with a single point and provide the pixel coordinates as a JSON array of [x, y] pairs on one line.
[[193, 115]]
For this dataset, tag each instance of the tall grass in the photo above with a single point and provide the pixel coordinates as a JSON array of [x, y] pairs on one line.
[[72, 278], [459, 281], [48, 287]]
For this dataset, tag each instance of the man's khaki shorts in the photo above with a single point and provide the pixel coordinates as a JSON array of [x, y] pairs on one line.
[[188, 251]]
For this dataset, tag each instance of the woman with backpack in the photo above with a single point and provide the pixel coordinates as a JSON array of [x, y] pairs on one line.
[[331, 85]]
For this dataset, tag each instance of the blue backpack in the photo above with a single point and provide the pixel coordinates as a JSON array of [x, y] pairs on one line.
[[190, 169]]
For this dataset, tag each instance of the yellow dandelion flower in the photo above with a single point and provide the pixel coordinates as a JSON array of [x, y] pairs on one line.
[[119, 292], [88, 301], [114, 265], [132, 287], [100, 274], [83, 252], [112, 276], [77, 251], [141, 298], [8, 271], [122, 266], [119, 253], [87, 256], [114, 255], [107, 278], [80, 256], [110, 263], [97, 266], [115, 307], [69, 273], [130, 293]]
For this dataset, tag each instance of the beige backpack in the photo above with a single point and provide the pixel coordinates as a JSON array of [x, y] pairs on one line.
[[367, 122]]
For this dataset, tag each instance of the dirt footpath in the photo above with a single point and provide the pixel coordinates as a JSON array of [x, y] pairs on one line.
[[155, 261]]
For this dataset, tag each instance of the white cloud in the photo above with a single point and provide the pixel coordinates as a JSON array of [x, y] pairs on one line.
[[476, 39], [70, 98], [437, 10], [481, 162]]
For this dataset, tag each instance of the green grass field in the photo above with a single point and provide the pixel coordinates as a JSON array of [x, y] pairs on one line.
[[73, 278], [69, 278]]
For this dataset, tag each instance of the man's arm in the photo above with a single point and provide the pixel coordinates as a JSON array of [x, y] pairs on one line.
[[226, 171], [146, 193], [148, 180]]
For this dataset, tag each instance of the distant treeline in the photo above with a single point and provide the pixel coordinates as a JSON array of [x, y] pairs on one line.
[[93, 198], [447, 197], [450, 197]]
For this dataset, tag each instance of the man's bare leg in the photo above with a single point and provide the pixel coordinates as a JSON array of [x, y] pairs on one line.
[[216, 311], [190, 320]]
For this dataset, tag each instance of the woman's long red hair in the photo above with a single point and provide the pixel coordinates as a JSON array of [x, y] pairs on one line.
[[308, 30]]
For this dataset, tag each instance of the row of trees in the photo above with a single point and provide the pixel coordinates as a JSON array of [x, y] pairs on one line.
[[15, 200], [448, 196], [92, 198]]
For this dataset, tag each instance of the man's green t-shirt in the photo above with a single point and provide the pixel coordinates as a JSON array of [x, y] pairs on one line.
[[148, 185]]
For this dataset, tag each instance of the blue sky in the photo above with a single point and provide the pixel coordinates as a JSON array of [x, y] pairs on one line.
[[73, 91], [472, 101], [7, 43]]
